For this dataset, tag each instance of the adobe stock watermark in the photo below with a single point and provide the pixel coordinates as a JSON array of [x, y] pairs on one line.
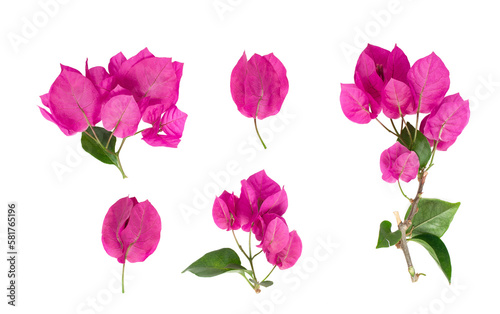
[[97, 302], [31, 26], [448, 296], [247, 150], [485, 89], [222, 7], [379, 20], [294, 278], [73, 159]]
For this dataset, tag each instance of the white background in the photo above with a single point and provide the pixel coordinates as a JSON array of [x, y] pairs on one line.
[[329, 166]]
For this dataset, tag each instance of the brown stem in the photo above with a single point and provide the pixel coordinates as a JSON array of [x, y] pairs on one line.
[[403, 226]]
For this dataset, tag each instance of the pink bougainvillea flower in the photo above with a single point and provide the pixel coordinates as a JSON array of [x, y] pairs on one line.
[[373, 90], [259, 86], [429, 80], [355, 104], [276, 203], [446, 122], [398, 163], [290, 254], [260, 225], [224, 211], [171, 123], [131, 231], [276, 236], [396, 99], [145, 75], [121, 114], [254, 191], [73, 102]]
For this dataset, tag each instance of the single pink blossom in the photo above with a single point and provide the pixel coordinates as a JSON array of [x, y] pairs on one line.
[[447, 121], [254, 191], [396, 98], [429, 80], [276, 236], [259, 85], [287, 257], [355, 104], [121, 114], [131, 230], [73, 101], [398, 163], [224, 211]]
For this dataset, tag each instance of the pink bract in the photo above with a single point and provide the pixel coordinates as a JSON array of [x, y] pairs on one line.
[[398, 162], [429, 80], [287, 257], [447, 121], [73, 100], [121, 112], [131, 230], [259, 85], [355, 104]]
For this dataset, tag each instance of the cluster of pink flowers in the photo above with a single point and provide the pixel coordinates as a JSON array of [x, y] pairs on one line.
[[259, 210], [385, 82], [143, 87]]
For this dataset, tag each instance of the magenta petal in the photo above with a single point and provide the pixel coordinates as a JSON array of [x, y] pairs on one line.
[[405, 167], [287, 257], [260, 225], [45, 100], [262, 89], [275, 204], [154, 139], [281, 71], [142, 233], [126, 65], [355, 104], [396, 98], [388, 158], [377, 54], [172, 122], [238, 84], [114, 222], [99, 77], [151, 114], [221, 215], [231, 201], [429, 80], [397, 66], [74, 99], [447, 121], [263, 186], [367, 78], [121, 114], [276, 236], [152, 77], [248, 207], [52, 119], [115, 63], [443, 146]]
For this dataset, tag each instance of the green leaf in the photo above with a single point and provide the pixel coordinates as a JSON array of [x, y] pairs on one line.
[[216, 263], [266, 283], [386, 238], [421, 146], [434, 217], [90, 145], [437, 250]]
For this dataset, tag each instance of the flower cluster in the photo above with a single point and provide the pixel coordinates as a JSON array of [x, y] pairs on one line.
[[259, 86], [143, 87], [385, 82], [259, 210]]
